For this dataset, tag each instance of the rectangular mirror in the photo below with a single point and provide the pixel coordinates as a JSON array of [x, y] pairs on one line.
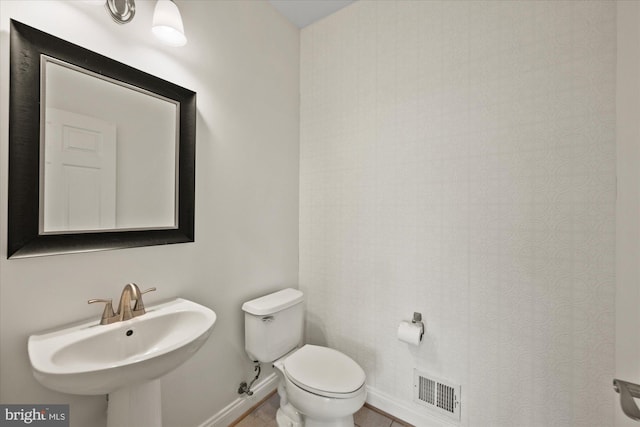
[[101, 155]]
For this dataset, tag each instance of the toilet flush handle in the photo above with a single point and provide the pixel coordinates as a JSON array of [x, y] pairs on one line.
[[267, 319]]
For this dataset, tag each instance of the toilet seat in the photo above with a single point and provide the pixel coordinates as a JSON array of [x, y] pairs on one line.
[[325, 372]]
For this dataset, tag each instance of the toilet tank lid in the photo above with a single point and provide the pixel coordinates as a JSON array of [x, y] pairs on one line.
[[274, 302]]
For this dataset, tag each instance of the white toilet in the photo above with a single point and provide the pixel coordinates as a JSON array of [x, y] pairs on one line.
[[319, 386]]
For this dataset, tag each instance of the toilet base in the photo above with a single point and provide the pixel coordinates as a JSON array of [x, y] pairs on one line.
[[284, 421], [342, 422]]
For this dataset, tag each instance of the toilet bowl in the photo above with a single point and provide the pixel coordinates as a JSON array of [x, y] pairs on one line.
[[323, 385], [319, 386]]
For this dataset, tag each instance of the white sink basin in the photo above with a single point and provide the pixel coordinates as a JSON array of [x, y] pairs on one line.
[[98, 359]]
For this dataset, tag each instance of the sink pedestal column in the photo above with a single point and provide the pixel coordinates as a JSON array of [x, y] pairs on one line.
[[135, 406]]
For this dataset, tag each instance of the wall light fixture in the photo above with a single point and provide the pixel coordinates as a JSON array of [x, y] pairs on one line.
[[167, 21], [122, 11]]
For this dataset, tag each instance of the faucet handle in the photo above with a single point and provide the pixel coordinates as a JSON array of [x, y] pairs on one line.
[[108, 315], [138, 308]]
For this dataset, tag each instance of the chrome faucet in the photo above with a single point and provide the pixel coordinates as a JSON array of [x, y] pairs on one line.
[[131, 292]]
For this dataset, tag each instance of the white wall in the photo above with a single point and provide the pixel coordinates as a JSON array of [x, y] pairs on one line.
[[628, 201], [458, 159], [242, 60]]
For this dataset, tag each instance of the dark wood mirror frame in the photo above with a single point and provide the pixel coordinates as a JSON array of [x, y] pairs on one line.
[[23, 235]]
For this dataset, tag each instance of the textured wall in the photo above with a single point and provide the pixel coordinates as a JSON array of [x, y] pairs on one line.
[[628, 199], [458, 159]]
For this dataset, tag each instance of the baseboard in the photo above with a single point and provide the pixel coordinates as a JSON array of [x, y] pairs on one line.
[[375, 398], [241, 405], [404, 411]]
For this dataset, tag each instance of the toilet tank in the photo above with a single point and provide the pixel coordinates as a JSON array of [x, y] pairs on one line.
[[273, 324]]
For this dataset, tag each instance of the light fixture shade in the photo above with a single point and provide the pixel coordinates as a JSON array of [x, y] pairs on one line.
[[167, 23]]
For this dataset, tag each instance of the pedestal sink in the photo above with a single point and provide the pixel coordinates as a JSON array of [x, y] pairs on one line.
[[123, 359]]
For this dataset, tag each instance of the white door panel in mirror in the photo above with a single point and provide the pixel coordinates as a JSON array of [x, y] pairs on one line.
[[79, 173]]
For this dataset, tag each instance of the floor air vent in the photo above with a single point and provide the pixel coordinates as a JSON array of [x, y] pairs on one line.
[[436, 394]]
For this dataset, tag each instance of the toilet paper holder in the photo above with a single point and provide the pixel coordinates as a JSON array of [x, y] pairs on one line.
[[417, 319]]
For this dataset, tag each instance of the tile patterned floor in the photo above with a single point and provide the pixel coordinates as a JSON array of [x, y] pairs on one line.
[[265, 416]]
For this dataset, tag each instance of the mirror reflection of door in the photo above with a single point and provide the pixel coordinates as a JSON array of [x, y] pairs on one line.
[[80, 173]]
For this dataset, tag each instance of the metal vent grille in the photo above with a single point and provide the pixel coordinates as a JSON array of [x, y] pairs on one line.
[[427, 390], [437, 395], [446, 398]]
